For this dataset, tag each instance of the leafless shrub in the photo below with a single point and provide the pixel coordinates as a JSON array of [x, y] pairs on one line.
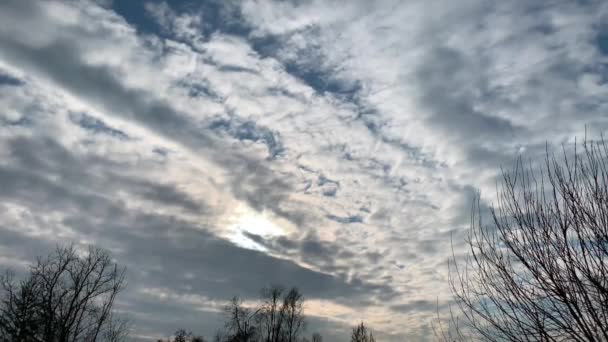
[[539, 271], [362, 333], [65, 297]]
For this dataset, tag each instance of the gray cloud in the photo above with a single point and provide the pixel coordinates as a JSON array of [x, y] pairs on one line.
[[445, 73], [60, 61], [161, 251], [8, 80], [37, 162], [96, 126], [249, 131], [346, 219], [416, 306]]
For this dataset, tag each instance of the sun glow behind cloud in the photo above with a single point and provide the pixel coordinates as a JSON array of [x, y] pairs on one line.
[[244, 221]]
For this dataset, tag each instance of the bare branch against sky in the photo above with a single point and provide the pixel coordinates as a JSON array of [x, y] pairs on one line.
[[537, 268]]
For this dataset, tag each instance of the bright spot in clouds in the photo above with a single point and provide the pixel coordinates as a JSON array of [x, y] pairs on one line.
[[248, 221]]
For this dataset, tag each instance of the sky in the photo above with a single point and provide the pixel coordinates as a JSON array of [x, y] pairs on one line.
[[216, 147]]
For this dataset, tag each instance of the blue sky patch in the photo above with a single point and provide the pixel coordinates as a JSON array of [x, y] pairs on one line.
[[96, 125], [8, 80]]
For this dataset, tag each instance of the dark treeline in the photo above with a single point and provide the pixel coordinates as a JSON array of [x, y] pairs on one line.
[[536, 270], [279, 317], [69, 295]]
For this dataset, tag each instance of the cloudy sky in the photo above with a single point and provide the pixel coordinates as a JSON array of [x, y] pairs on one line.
[[218, 146]]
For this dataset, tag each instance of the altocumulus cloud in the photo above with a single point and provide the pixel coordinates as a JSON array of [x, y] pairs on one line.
[[219, 146]]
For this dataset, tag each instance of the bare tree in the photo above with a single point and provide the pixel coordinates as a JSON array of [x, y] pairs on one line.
[[219, 336], [361, 333], [316, 337], [271, 315], [181, 335], [117, 329], [293, 312], [539, 271], [240, 322], [65, 298], [19, 309], [279, 318]]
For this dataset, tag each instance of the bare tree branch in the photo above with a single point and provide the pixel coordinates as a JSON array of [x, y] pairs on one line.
[[539, 271], [64, 298]]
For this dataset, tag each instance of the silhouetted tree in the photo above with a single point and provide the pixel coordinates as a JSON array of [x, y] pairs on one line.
[[539, 271], [361, 333], [198, 339], [271, 316], [240, 322], [19, 309], [65, 297], [219, 337], [279, 318], [117, 329], [182, 336], [316, 337], [293, 312]]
